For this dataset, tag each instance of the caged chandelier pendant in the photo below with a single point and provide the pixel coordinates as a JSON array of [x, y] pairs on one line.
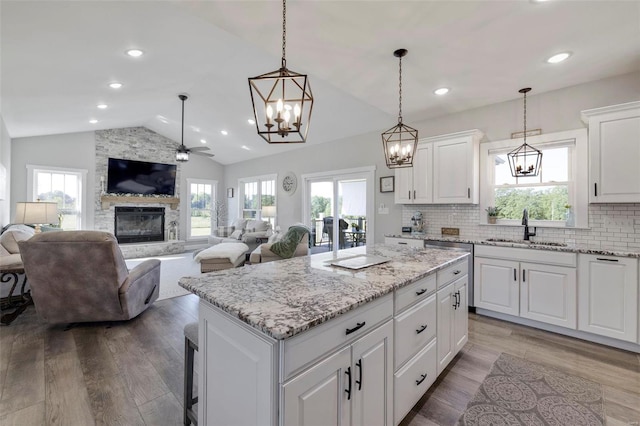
[[282, 100], [400, 142], [525, 161]]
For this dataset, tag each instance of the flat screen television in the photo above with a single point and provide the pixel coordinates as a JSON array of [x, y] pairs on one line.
[[141, 177]]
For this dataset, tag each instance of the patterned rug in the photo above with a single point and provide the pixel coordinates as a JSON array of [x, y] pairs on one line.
[[520, 392]]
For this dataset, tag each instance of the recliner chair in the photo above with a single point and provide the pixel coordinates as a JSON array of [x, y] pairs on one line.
[[81, 276]]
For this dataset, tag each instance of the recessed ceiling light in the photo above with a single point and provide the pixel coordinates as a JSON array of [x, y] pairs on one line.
[[441, 91], [94, 121], [203, 141], [251, 121], [135, 53], [245, 147], [224, 132], [558, 57], [115, 85], [101, 106]]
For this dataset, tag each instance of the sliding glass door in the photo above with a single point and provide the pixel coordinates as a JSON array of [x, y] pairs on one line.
[[343, 198]]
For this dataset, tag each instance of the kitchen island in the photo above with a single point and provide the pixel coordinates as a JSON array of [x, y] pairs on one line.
[[301, 341]]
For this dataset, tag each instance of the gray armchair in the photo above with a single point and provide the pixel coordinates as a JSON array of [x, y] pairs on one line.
[[81, 276]]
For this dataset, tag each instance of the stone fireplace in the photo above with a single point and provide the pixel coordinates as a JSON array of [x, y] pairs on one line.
[[139, 224]]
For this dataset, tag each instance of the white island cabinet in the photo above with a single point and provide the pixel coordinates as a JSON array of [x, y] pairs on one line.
[[299, 342]]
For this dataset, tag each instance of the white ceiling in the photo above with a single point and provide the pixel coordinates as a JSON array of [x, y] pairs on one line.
[[59, 56]]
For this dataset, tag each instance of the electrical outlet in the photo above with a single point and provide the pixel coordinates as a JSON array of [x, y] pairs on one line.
[[618, 222]]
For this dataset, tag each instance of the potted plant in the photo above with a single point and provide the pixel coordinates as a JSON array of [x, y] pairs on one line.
[[492, 214]]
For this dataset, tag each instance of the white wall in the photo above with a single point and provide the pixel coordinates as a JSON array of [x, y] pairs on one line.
[[552, 112], [73, 150], [5, 167]]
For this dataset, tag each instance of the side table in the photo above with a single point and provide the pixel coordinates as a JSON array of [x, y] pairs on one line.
[[17, 302]]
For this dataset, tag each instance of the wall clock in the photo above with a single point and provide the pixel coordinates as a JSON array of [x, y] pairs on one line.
[[289, 183]]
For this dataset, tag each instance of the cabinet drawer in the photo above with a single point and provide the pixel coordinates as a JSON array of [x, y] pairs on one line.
[[414, 329], [408, 295], [413, 380], [453, 272], [411, 242], [302, 349]]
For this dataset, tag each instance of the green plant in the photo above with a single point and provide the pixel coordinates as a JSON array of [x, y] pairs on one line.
[[492, 211]]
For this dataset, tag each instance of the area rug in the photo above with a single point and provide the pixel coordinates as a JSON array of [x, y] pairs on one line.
[[520, 392], [172, 268]]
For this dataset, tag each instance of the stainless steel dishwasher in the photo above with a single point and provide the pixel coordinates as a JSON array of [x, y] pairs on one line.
[[462, 246]]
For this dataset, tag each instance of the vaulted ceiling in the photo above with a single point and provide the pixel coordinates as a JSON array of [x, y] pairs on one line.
[[58, 58]]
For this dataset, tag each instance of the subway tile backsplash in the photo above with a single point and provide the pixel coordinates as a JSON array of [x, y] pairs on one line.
[[611, 226]]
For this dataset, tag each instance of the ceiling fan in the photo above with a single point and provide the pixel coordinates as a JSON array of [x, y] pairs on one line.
[[182, 153]]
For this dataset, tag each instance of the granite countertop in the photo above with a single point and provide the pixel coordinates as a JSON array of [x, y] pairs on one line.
[[286, 297], [523, 244]]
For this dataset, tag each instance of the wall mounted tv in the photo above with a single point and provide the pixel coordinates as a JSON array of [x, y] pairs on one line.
[[140, 177]]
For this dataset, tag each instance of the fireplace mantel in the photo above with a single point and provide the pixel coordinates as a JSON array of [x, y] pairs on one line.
[[107, 200]]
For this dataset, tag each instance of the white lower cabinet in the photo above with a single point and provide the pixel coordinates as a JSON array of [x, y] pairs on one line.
[[353, 386], [608, 296], [452, 321], [511, 281]]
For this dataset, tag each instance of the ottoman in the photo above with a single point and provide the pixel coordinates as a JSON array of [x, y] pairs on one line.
[[222, 256]]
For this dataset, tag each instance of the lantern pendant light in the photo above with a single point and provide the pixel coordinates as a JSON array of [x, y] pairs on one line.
[[525, 161], [400, 142], [282, 100]]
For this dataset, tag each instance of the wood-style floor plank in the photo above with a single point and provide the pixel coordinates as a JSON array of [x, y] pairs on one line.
[[132, 370], [67, 400]]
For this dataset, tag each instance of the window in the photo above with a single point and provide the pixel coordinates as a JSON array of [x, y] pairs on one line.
[[202, 212], [549, 197], [64, 187], [258, 198]]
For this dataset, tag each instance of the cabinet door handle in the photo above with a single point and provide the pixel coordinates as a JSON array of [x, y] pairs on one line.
[[515, 274], [456, 272], [421, 329], [455, 303], [409, 194], [459, 297], [359, 381], [468, 192], [606, 260], [414, 194], [356, 328], [403, 243], [524, 275], [595, 189], [421, 379], [348, 389], [421, 291]]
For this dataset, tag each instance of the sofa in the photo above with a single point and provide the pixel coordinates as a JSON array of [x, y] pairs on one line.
[[9, 251], [247, 231], [263, 253]]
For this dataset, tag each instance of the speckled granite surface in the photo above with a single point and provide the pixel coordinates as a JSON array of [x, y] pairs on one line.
[[523, 244], [286, 297]]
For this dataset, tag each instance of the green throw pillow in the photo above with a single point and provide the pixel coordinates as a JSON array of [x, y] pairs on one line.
[[286, 247]]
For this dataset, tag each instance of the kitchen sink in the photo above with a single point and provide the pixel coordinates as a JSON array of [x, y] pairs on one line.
[[533, 243]]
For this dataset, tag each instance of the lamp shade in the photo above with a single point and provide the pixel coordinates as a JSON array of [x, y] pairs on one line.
[[269, 211], [36, 213]]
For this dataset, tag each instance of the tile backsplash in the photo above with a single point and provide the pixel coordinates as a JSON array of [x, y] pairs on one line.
[[604, 232]]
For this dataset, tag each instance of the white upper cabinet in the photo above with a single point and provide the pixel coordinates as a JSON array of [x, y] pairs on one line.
[[445, 171], [413, 184], [614, 153]]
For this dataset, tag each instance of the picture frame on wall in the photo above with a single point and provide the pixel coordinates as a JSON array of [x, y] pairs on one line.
[[387, 183], [229, 192]]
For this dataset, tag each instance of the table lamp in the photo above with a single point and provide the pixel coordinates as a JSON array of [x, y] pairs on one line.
[[36, 213]]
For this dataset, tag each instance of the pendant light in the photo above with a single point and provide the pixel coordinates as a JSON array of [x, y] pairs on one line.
[[400, 142], [282, 100], [525, 161]]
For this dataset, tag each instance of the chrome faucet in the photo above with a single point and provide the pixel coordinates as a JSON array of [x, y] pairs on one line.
[[525, 222]]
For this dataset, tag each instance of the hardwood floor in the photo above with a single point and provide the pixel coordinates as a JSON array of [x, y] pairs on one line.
[[131, 373]]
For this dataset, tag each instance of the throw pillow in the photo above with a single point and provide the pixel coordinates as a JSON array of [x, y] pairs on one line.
[[239, 223], [275, 237], [10, 238], [237, 234], [225, 231]]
